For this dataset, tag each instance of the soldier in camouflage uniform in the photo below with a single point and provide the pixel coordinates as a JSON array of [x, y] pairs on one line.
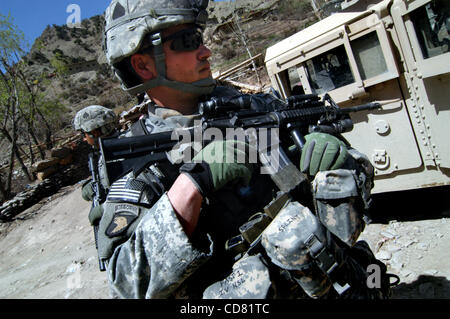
[[95, 121], [166, 232]]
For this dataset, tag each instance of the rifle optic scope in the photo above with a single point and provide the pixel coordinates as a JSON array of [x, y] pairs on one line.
[[224, 104]]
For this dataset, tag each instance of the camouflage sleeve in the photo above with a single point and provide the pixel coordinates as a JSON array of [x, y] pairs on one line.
[[157, 258]]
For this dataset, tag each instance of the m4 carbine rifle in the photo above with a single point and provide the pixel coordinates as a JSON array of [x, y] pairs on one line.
[[99, 197], [294, 118], [290, 119]]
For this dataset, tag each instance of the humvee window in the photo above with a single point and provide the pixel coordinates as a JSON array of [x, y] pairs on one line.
[[369, 56], [295, 84], [329, 71], [432, 26]]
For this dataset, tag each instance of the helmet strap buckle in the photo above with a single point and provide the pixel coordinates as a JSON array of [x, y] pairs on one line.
[[158, 53], [156, 39]]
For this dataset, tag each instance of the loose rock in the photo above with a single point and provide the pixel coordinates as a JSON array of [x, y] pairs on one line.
[[383, 255]]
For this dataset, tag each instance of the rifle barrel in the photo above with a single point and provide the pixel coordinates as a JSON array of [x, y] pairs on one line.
[[363, 107]]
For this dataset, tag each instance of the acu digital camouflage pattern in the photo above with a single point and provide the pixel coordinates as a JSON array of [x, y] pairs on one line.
[[285, 239], [153, 256], [314, 282], [291, 241], [128, 21], [158, 259], [335, 194], [93, 117], [126, 200], [343, 196], [249, 280]]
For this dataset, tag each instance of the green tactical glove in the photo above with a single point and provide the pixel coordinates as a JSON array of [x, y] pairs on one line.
[[219, 163], [322, 152], [87, 192], [95, 214]]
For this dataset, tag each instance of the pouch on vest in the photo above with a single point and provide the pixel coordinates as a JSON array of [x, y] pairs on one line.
[[296, 241], [286, 239], [313, 281], [249, 279], [335, 196]]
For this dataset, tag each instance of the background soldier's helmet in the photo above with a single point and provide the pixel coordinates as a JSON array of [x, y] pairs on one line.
[[129, 22], [95, 117]]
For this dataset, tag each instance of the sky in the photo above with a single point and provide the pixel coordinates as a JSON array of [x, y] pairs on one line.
[[33, 16]]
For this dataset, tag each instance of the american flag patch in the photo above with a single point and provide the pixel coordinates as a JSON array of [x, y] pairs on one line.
[[126, 190]]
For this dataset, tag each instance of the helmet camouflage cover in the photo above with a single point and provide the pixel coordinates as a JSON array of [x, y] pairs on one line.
[[93, 117], [127, 22]]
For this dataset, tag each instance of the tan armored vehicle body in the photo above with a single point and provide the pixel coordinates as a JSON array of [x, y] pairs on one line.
[[397, 53]]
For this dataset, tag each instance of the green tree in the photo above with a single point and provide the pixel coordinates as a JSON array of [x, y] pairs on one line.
[[24, 119], [59, 64]]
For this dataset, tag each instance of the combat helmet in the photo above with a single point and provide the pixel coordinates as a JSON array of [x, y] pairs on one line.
[[95, 117], [129, 22]]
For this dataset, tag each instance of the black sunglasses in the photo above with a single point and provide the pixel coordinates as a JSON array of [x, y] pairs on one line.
[[185, 40], [89, 134]]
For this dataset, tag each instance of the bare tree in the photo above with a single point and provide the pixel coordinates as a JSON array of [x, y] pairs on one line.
[[21, 104], [240, 34], [10, 123]]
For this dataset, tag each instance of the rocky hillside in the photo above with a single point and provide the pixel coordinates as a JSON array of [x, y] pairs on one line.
[[59, 48]]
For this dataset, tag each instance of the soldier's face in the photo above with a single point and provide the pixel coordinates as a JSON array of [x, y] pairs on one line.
[[91, 137], [186, 60], [186, 66]]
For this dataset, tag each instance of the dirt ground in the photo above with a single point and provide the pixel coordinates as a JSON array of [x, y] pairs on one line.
[[48, 252]]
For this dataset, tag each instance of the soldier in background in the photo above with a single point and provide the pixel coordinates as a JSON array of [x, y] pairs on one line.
[[95, 121]]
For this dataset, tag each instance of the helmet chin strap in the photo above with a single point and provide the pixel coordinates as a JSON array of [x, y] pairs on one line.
[[201, 87]]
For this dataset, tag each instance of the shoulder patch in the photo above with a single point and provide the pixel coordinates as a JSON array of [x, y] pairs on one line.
[[124, 216]]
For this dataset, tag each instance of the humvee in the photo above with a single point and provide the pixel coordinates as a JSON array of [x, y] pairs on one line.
[[397, 52]]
